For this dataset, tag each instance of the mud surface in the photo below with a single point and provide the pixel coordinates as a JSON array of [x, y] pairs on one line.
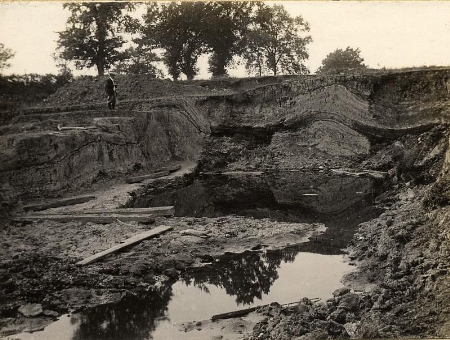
[[264, 165]]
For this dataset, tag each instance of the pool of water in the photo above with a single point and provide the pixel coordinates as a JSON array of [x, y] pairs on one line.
[[237, 281], [232, 283]]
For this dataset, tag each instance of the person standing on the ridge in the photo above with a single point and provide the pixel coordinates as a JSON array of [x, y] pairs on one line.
[[111, 91]]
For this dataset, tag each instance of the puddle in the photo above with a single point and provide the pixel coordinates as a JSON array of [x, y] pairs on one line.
[[313, 269]]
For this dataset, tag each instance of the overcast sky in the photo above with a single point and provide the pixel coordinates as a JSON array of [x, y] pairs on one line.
[[389, 34]]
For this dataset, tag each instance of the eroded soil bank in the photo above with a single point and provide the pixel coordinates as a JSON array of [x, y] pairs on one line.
[[259, 155]]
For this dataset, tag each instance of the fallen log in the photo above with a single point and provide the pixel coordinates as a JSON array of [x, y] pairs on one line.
[[154, 211], [234, 314], [244, 312], [59, 203], [93, 218], [128, 242], [139, 179]]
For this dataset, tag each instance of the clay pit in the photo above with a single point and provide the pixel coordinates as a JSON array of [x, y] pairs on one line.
[[336, 183]]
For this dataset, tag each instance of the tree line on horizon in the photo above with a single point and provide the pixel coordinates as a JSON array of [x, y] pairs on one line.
[[265, 38]]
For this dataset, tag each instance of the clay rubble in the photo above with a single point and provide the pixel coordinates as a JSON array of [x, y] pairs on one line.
[[401, 286]]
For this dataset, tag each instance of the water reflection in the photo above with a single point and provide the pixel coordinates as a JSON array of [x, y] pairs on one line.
[[246, 276], [135, 317], [339, 201], [284, 196]]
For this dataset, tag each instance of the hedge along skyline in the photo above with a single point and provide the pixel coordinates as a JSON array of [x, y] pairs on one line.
[[389, 34]]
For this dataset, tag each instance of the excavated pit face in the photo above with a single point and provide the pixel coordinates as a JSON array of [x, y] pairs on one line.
[[274, 147]]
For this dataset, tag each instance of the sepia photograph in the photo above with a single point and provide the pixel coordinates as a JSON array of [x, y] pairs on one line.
[[224, 170]]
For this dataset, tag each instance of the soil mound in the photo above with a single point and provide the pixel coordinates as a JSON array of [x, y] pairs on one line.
[[91, 90]]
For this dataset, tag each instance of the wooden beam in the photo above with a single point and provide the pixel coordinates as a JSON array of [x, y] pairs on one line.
[[63, 128], [155, 211], [371, 173], [232, 173], [171, 169], [139, 179], [94, 218], [59, 203], [132, 240]]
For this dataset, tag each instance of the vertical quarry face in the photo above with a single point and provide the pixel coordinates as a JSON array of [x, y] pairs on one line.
[[41, 159], [326, 122], [308, 122]]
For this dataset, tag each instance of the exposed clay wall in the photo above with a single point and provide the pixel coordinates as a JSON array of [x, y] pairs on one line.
[[280, 123], [37, 160], [313, 121]]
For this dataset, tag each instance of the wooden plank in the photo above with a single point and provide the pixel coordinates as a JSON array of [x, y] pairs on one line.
[[132, 240], [63, 128], [59, 203], [174, 168], [94, 218], [139, 179], [170, 168], [370, 173], [232, 173], [155, 211]]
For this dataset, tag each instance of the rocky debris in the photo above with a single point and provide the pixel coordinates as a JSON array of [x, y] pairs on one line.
[[22, 324], [31, 310], [307, 320], [38, 261], [402, 258]]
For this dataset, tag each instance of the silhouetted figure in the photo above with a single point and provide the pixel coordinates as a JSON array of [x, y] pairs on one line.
[[111, 91]]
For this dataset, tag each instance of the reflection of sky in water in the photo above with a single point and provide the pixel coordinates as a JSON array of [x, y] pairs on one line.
[[309, 275], [63, 329]]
